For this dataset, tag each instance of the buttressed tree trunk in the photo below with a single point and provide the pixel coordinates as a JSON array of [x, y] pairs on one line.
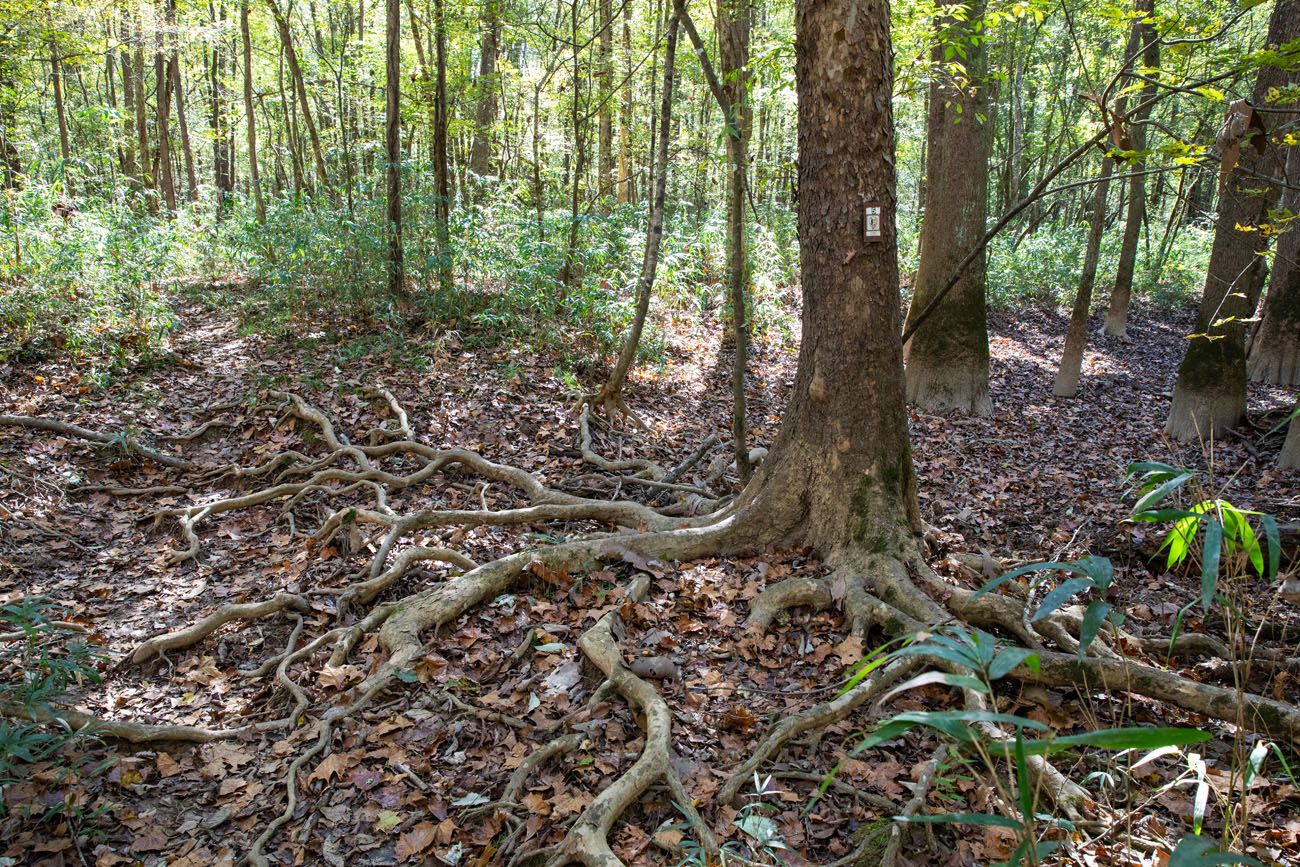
[[1275, 350], [1143, 39], [1210, 393], [948, 357], [1076, 339]]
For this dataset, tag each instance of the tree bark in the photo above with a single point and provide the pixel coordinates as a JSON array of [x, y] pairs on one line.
[[610, 396], [191, 181], [162, 83], [625, 113], [1289, 457], [485, 114], [1076, 339], [1210, 393], [65, 142], [840, 474], [1143, 39], [606, 179], [1275, 349], [300, 87], [435, 83], [250, 116], [948, 357], [393, 144], [734, 17]]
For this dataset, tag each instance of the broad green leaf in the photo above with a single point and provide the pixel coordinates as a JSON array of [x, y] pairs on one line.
[[1060, 595], [1006, 660], [1210, 554], [1194, 851], [1160, 492], [1273, 539], [1093, 618]]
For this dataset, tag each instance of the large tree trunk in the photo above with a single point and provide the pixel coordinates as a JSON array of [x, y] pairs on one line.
[[1275, 349], [610, 396], [1143, 39], [393, 143], [304, 101], [250, 117], [485, 115], [1210, 394], [840, 474], [948, 357], [1076, 339]]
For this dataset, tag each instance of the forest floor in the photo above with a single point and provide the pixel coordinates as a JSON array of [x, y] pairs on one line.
[[402, 781]]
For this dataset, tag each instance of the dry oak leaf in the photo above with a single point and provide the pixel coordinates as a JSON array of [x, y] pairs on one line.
[[849, 650], [415, 841], [335, 763]]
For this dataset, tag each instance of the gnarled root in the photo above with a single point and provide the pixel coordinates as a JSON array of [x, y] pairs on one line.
[[225, 614]]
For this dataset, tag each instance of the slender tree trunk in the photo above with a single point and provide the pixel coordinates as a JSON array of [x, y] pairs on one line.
[[1210, 394], [442, 175], [610, 396], [393, 144], [1076, 339], [147, 173], [65, 143], [485, 115], [948, 357], [250, 116], [1144, 40], [606, 179], [304, 101], [191, 181], [163, 108], [222, 172], [625, 113], [733, 17], [130, 166], [1275, 349], [287, 105], [568, 270], [11, 166]]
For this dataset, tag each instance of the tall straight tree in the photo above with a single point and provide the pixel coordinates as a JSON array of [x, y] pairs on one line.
[[625, 112], [60, 109], [141, 111], [1144, 42], [393, 142], [1210, 394], [304, 100], [1076, 338], [610, 397], [250, 117], [222, 164], [435, 92], [163, 108], [187, 151], [948, 356], [605, 110], [485, 115]]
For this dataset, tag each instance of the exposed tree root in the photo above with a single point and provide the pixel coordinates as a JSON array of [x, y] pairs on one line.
[[128, 444], [225, 614]]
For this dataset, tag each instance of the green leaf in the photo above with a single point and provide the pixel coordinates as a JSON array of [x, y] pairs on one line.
[[1130, 738], [1210, 554], [1021, 570], [964, 819], [929, 677], [1006, 660], [1060, 595], [1160, 492], [1273, 539], [1194, 851], [1093, 618]]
